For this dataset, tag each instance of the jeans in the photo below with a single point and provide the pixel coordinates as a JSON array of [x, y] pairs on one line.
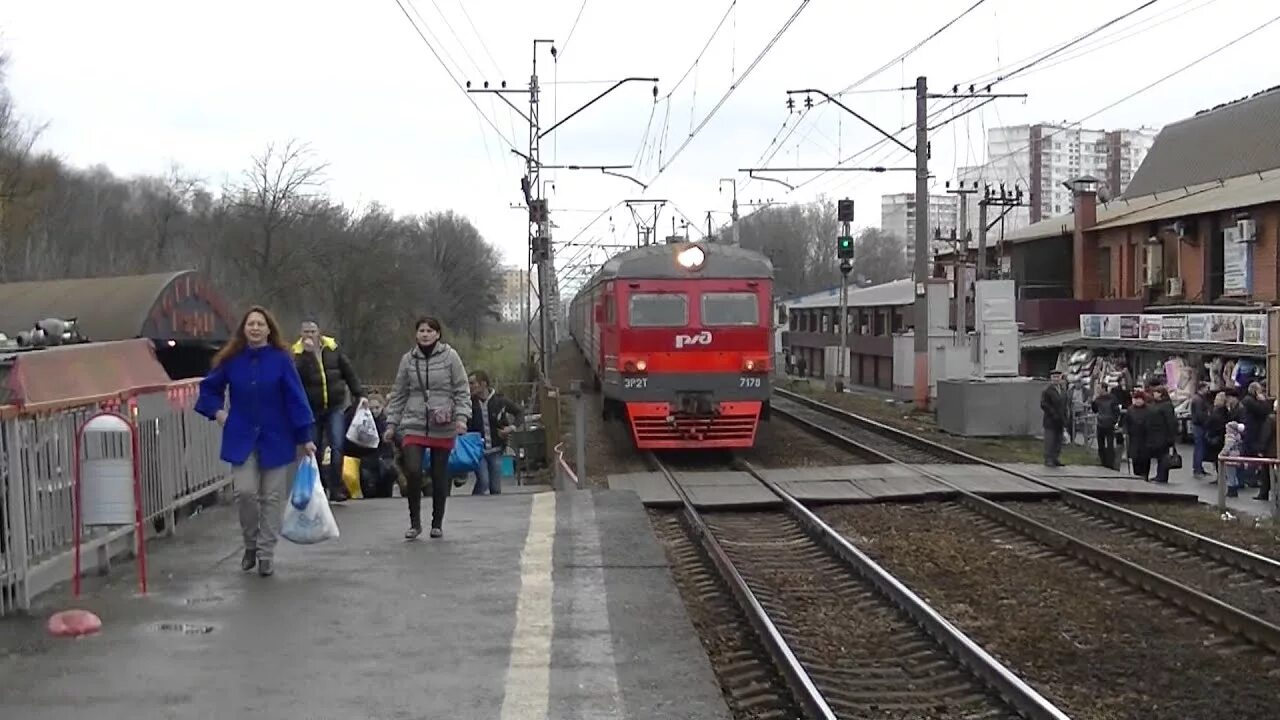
[[489, 475], [1201, 450], [330, 431], [259, 494]]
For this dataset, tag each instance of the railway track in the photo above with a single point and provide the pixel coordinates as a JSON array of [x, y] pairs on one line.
[[846, 637], [1229, 586]]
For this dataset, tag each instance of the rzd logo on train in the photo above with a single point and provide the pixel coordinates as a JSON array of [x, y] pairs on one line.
[[702, 338]]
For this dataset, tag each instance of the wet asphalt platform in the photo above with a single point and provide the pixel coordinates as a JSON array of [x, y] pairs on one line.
[[533, 605]]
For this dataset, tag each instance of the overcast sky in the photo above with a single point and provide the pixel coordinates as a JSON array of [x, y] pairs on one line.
[[137, 84]]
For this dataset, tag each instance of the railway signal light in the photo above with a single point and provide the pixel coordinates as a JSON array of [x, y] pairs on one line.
[[844, 247], [844, 210]]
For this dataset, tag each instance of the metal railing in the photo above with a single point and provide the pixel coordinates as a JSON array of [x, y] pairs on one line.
[[178, 453]]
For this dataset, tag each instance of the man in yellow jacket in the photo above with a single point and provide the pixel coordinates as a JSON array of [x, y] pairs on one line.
[[326, 376]]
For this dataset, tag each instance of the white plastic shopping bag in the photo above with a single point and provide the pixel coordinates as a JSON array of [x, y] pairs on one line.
[[363, 430], [307, 517]]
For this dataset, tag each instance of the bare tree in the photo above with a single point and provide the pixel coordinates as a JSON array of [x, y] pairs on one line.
[[274, 237], [17, 182], [278, 189], [879, 257]]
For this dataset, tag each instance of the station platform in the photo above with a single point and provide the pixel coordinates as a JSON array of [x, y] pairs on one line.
[[533, 605], [887, 482]]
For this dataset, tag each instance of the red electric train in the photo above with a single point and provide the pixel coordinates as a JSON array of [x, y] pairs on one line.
[[679, 340]]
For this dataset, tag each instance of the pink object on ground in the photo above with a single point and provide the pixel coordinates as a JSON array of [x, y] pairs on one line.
[[74, 623]]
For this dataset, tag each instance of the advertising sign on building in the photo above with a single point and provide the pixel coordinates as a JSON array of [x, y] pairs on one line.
[[1227, 328], [1237, 262]]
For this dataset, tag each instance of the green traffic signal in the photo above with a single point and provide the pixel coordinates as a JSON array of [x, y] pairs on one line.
[[844, 246]]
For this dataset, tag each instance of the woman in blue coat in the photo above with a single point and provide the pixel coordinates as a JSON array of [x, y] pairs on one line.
[[265, 428]]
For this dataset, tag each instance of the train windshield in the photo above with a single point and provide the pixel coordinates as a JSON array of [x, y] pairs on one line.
[[658, 310], [730, 308]]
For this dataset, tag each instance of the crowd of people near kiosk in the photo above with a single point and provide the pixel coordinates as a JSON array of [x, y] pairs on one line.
[[1229, 415]]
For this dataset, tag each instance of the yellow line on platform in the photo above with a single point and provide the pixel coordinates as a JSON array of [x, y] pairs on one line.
[[528, 685]]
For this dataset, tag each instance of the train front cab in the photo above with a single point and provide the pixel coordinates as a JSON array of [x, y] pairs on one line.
[[690, 364]]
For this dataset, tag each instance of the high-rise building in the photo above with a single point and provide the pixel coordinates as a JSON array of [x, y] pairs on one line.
[[1041, 158], [898, 217], [515, 288]]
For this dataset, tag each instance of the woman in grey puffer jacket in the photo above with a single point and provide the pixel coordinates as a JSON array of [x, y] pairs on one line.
[[431, 404]]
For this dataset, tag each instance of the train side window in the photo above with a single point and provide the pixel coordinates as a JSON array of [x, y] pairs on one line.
[[730, 308], [609, 311], [658, 310]]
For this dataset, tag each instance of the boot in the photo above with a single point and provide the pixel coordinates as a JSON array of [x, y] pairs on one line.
[[265, 568], [249, 560]]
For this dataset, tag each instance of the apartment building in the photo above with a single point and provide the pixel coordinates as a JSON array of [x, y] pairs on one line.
[[1043, 158], [898, 217], [512, 296]]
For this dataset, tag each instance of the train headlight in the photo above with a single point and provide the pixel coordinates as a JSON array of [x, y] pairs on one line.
[[691, 258], [641, 366]]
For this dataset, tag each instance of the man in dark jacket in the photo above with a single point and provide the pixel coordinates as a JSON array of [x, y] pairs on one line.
[[1201, 405], [1107, 411], [1162, 432], [1255, 407], [326, 376], [495, 417], [1053, 404]]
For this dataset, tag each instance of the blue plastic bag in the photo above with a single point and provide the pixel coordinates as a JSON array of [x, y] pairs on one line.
[[466, 456], [307, 517]]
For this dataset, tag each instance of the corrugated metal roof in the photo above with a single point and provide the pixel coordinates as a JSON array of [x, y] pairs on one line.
[[1230, 141], [897, 292], [109, 308], [1251, 189], [1060, 225], [1240, 192], [1052, 339]]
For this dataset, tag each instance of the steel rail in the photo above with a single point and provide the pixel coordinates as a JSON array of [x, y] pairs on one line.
[[797, 678], [1242, 623], [1238, 557], [967, 653]]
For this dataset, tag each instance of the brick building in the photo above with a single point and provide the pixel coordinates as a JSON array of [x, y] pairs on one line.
[[1191, 246]]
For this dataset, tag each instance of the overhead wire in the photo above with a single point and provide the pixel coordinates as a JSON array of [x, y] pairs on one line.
[[912, 49], [511, 115], [1164, 78], [900, 58], [572, 28], [1025, 65], [732, 88], [461, 89], [1001, 73], [1119, 35]]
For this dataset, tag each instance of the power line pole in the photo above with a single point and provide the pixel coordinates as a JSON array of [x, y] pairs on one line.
[[921, 380], [844, 251], [1005, 198], [538, 343], [734, 215], [921, 270], [962, 259]]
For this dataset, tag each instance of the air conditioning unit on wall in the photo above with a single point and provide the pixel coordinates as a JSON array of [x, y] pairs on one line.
[[1248, 229]]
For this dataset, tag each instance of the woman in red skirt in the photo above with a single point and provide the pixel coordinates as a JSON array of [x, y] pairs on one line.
[[430, 403]]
